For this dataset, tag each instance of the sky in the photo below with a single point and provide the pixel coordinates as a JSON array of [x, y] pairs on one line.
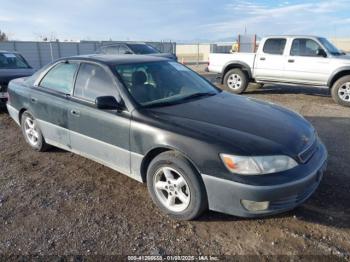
[[175, 20]]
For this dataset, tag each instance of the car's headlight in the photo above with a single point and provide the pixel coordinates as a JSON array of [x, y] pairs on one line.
[[257, 165]]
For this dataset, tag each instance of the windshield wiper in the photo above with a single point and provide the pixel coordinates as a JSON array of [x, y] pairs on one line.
[[168, 103], [195, 95]]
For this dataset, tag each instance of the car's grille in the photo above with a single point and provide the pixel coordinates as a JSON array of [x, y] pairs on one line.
[[307, 153]]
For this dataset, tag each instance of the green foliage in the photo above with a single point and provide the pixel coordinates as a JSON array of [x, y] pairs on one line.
[[3, 36]]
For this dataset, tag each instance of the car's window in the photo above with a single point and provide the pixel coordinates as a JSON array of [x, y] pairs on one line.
[[274, 46], [123, 49], [304, 47], [143, 49], [12, 61], [93, 81], [111, 50], [157, 83], [60, 78]]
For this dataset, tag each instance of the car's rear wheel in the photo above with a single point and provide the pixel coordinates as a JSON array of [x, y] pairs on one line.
[[32, 132], [175, 186], [236, 81], [341, 91]]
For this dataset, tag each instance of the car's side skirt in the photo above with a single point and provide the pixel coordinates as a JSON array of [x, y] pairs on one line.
[[114, 157]]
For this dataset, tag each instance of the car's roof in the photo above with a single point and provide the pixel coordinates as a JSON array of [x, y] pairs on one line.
[[117, 59], [126, 43], [12, 52], [293, 36]]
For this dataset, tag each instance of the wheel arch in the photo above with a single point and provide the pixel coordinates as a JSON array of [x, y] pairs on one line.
[[154, 152], [236, 64], [344, 71], [20, 113]]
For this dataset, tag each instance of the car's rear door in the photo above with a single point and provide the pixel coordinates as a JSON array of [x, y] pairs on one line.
[[102, 135], [303, 64], [49, 102], [269, 62]]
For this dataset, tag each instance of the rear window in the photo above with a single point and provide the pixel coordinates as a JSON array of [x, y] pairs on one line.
[[274, 46], [60, 78], [12, 61]]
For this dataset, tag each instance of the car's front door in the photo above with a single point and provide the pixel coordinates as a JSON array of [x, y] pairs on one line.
[[49, 101], [305, 63], [102, 135], [269, 63]]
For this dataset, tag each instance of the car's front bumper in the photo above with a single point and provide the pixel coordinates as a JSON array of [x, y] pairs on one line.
[[226, 196]]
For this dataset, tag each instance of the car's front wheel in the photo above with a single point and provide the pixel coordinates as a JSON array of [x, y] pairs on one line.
[[341, 91], [32, 132], [175, 186]]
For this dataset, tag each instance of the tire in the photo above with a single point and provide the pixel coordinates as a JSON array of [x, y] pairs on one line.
[[32, 133], [180, 192], [236, 81], [341, 91]]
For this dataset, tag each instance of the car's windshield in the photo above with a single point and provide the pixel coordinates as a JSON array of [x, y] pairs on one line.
[[142, 49], [163, 83], [330, 47], [12, 61]]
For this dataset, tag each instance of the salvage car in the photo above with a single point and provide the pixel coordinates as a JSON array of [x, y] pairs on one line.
[[133, 48], [159, 122], [12, 65], [295, 60]]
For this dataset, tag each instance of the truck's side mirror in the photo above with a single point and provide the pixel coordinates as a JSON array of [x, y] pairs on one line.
[[321, 52], [108, 103]]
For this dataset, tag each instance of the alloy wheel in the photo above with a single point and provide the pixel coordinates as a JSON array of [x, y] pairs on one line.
[[234, 81], [172, 189], [344, 92], [31, 131]]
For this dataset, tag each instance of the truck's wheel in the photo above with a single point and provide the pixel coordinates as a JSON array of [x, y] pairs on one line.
[[32, 133], [175, 186], [236, 81], [341, 91]]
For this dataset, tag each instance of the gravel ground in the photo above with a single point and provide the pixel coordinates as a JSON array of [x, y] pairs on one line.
[[58, 203]]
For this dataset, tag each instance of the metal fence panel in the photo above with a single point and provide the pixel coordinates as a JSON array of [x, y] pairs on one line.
[[39, 54]]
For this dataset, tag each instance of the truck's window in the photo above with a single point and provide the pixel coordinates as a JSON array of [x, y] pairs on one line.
[[304, 47], [93, 81], [274, 46], [60, 78]]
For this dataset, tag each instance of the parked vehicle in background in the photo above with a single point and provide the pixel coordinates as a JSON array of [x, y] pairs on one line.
[[302, 60], [133, 48], [157, 121], [12, 65]]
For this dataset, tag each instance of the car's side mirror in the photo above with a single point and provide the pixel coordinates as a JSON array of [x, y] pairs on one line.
[[127, 53], [108, 103], [321, 52]]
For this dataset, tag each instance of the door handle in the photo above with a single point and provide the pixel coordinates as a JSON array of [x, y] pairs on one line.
[[33, 100], [262, 58], [75, 112], [290, 60]]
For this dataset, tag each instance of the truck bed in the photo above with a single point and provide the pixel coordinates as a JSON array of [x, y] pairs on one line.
[[217, 61]]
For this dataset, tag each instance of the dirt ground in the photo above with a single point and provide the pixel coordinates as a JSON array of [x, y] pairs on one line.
[[58, 203]]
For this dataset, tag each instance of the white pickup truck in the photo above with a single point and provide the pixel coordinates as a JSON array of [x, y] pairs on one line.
[[302, 60]]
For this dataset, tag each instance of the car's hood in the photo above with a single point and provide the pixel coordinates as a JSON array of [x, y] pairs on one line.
[[6, 75], [253, 126]]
